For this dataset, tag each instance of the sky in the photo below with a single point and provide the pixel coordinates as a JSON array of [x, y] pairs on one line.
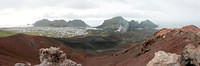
[[166, 13]]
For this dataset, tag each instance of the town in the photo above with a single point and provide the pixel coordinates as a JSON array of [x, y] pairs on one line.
[[56, 32]]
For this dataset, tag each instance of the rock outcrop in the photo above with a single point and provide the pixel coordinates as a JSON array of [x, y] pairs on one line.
[[162, 58], [191, 55], [54, 57]]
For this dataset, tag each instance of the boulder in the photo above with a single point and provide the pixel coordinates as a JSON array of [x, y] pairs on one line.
[[162, 58], [191, 55], [54, 57]]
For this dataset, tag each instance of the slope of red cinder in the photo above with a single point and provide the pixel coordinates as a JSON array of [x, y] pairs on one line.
[[25, 48], [191, 28], [169, 40]]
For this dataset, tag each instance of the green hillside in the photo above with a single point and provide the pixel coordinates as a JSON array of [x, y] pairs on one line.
[[6, 33]]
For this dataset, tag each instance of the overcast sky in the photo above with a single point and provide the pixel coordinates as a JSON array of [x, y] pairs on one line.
[[166, 13]]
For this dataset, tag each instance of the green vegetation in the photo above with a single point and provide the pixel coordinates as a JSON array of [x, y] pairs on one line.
[[133, 35], [6, 33]]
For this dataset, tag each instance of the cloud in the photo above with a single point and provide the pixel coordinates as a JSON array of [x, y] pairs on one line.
[[162, 12], [76, 4]]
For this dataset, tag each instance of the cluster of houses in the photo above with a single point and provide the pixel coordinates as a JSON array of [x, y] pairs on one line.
[[57, 32]]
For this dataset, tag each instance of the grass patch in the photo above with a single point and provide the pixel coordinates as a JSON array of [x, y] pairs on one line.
[[6, 33]]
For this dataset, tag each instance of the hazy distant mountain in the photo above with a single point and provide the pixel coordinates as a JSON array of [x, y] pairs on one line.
[[122, 25], [60, 23], [77, 23], [41, 23], [148, 24], [47, 23], [133, 25], [115, 23]]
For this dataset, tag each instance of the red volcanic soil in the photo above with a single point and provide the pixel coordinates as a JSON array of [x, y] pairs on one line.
[[191, 28], [168, 40], [25, 48]]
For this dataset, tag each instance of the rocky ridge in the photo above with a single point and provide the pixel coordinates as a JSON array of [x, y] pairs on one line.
[[167, 40]]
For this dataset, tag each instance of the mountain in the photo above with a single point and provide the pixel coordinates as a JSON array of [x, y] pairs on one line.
[[115, 23], [60, 23], [47, 23], [167, 40], [41, 23], [120, 24], [148, 24], [25, 48], [133, 25], [76, 23]]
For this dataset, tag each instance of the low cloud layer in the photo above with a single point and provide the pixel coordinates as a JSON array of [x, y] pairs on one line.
[[167, 13]]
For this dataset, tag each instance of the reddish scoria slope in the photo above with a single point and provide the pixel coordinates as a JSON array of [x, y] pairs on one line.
[[25, 48], [169, 40]]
